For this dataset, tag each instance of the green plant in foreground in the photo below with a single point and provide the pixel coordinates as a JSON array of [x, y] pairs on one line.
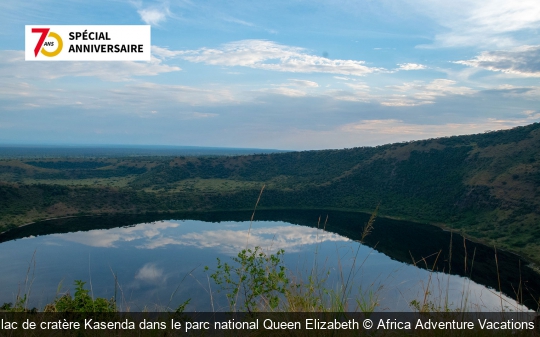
[[258, 279], [20, 305], [81, 302]]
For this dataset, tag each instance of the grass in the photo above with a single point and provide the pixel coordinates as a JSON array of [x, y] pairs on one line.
[[206, 186], [116, 182]]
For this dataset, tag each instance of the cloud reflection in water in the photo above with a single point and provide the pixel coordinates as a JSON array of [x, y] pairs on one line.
[[290, 238], [150, 273], [229, 238], [109, 238]]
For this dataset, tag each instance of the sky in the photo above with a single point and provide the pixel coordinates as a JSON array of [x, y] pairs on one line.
[[294, 75]]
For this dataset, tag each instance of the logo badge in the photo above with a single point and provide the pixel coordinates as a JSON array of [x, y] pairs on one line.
[[87, 43], [45, 32]]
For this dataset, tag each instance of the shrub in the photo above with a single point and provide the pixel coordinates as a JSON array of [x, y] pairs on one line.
[[258, 279], [81, 302]]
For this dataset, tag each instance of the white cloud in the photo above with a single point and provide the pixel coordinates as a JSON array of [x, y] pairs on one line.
[[284, 90], [149, 93], [133, 98], [409, 131], [372, 132], [154, 15], [292, 88], [421, 131], [163, 53], [344, 95], [238, 21], [199, 115], [358, 86], [402, 100], [418, 92], [411, 66], [408, 94], [531, 116], [304, 83], [494, 23], [361, 93], [12, 65], [523, 61], [268, 55]]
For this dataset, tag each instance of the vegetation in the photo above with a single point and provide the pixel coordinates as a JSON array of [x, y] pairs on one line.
[[486, 186], [256, 277], [80, 302]]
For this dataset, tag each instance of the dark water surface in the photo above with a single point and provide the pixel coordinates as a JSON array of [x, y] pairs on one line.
[[152, 262]]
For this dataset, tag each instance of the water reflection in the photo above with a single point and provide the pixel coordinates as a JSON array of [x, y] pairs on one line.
[[112, 237], [231, 241], [159, 264], [150, 273], [289, 238]]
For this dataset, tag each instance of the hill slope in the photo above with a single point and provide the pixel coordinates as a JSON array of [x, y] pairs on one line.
[[485, 185]]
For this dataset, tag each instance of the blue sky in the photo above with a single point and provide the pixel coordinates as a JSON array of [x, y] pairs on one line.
[[277, 74]]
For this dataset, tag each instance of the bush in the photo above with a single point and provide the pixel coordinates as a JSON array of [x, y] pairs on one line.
[[258, 279], [81, 302]]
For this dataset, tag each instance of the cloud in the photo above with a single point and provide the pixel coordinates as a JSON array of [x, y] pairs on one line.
[[418, 92], [344, 95], [150, 94], [408, 94], [411, 66], [238, 21], [199, 115], [292, 88], [358, 86], [524, 61], [134, 98], [370, 132], [421, 131], [507, 90], [12, 65], [361, 93], [268, 55], [531, 114], [163, 53], [499, 23], [304, 83], [285, 91], [154, 15]]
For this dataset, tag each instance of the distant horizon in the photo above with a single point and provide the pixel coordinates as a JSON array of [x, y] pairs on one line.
[[119, 150], [196, 147], [67, 145]]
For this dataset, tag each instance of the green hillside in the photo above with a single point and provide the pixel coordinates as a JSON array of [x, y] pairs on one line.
[[487, 186]]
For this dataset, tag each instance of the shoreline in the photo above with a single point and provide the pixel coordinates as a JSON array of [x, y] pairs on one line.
[[531, 263]]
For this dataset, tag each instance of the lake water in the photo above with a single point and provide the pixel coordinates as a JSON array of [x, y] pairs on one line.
[[156, 262]]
